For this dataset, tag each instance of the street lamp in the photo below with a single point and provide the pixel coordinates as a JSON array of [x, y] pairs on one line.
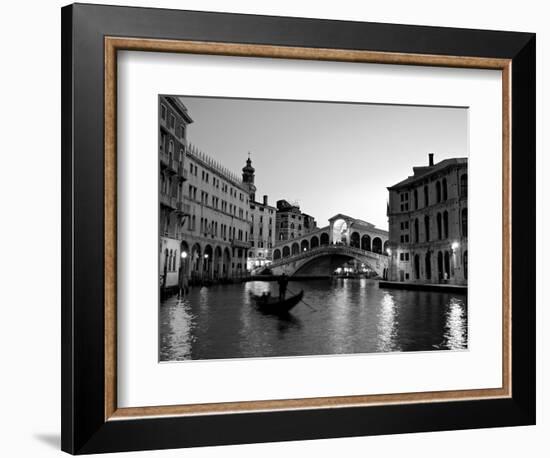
[[206, 264], [182, 290], [455, 246], [389, 275]]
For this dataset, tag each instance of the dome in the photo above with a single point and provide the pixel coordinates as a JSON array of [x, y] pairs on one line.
[[248, 169]]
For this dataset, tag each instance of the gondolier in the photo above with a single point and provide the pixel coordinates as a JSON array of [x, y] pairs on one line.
[[273, 305], [283, 282]]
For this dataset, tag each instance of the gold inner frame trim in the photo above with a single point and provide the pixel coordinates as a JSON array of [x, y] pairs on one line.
[[114, 44]]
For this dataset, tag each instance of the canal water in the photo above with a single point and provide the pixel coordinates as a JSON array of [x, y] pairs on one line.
[[342, 316]]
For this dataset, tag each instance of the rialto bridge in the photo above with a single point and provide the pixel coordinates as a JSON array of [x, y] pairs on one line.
[[320, 252]]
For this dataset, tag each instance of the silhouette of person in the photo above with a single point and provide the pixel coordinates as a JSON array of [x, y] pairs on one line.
[[283, 282]]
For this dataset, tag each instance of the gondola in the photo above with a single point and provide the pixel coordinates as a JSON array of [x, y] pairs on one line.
[[273, 305]]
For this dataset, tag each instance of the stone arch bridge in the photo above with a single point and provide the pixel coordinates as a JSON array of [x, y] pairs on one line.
[[321, 250], [323, 260]]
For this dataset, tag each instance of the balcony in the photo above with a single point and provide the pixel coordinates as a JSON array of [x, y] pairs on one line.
[[182, 171], [240, 244], [172, 166], [167, 200], [164, 159], [183, 208], [169, 164]]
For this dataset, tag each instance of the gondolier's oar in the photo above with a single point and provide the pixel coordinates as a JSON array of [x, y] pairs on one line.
[[302, 300]]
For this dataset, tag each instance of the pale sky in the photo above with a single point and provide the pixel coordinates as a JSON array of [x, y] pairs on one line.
[[328, 157]]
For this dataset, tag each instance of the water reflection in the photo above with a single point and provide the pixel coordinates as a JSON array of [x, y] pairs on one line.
[[348, 316], [176, 330], [456, 328], [387, 325]]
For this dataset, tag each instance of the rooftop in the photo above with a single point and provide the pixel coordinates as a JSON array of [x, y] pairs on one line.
[[356, 222], [178, 105], [420, 173], [217, 167]]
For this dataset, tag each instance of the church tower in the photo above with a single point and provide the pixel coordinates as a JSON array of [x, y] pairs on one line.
[[248, 178]]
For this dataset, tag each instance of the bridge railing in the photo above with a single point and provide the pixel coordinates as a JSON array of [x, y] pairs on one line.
[[327, 249]]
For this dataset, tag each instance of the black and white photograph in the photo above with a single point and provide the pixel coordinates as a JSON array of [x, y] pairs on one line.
[[275, 229], [300, 228]]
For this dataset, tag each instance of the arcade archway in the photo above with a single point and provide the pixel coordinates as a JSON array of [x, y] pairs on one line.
[[340, 231]]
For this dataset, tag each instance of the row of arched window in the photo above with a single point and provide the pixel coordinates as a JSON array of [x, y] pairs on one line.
[[170, 257], [170, 147], [444, 267], [167, 185], [442, 223], [441, 191], [441, 194], [356, 241], [364, 242]]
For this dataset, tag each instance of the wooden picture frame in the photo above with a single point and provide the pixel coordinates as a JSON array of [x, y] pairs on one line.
[[91, 37]]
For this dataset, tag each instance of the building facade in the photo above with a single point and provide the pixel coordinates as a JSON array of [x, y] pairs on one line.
[[173, 122], [291, 223], [214, 236], [204, 215], [428, 224], [262, 223], [211, 226], [262, 233], [321, 251]]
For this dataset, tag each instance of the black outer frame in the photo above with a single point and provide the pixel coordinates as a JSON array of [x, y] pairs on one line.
[[84, 429]]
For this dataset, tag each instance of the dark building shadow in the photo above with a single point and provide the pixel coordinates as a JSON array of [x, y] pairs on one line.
[[51, 439]]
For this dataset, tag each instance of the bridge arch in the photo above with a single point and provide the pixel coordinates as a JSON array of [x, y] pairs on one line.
[[365, 242], [295, 248], [304, 246], [355, 240], [339, 231], [377, 245], [286, 251], [324, 260], [276, 254], [326, 265], [325, 239], [314, 243]]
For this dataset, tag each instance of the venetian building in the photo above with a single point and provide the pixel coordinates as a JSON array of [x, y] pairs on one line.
[[291, 223], [248, 178], [428, 224], [214, 237], [173, 122], [262, 223], [204, 208]]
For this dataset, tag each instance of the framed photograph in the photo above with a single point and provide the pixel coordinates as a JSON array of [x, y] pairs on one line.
[[281, 228]]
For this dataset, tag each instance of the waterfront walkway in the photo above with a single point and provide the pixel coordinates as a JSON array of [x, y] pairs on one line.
[[440, 287]]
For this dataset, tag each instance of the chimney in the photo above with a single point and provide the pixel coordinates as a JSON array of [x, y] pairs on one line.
[[431, 156], [265, 200]]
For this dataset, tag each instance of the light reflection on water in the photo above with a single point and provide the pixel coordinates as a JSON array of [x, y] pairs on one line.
[[386, 320], [176, 324], [456, 325], [349, 316]]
